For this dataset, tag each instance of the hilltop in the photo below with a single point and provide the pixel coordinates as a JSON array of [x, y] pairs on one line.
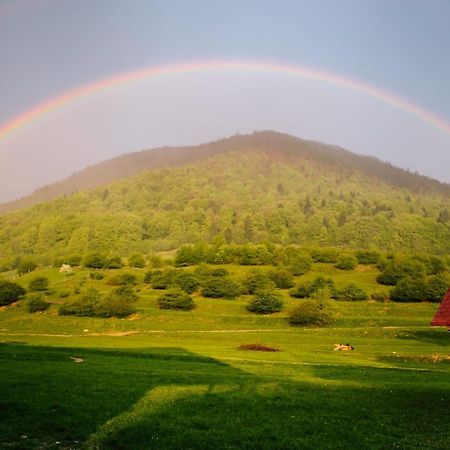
[[132, 164], [258, 188]]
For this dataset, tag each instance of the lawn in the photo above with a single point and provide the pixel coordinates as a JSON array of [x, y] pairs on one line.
[[177, 380]]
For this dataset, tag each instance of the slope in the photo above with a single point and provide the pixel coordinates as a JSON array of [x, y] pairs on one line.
[[134, 163], [253, 195]]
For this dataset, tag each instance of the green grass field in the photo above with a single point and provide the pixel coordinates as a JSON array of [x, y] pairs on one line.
[[177, 380]]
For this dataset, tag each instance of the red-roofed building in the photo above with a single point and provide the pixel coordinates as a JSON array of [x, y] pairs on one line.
[[442, 316]]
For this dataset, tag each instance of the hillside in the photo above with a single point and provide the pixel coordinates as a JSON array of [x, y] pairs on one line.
[[259, 194], [129, 165]]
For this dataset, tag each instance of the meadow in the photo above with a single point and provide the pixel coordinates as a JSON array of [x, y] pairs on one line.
[[168, 379]]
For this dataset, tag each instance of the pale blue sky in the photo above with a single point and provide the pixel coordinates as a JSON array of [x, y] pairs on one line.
[[50, 46]]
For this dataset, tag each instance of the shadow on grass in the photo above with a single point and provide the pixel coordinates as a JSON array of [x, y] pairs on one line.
[[439, 336], [169, 398]]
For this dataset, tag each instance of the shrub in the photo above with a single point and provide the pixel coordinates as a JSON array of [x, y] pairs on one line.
[[346, 262], [123, 279], [390, 275], [95, 261], [367, 257], [164, 280], [308, 289], [325, 255], [189, 255], [92, 303], [176, 299], [265, 302], [38, 284], [36, 303], [352, 292], [115, 262], [436, 288], [256, 281], [310, 312], [379, 296], [409, 290], [10, 292], [187, 282], [282, 278], [149, 274], [136, 260], [26, 266], [221, 287]]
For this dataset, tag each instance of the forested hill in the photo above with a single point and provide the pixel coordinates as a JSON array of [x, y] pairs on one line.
[[241, 196], [132, 164]]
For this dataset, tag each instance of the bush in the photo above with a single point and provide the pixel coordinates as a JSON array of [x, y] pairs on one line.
[[282, 278], [367, 257], [187, 282], [352, 292], [310, 312], [308, 289], [221, 287], [409, 290], [346, 262], [379, 296], [38, 284], [136, 260], [436, 288], [176, 300], [10, 292], [256, 281], [93, 304], [26, 266], [95, 261], [165, 279], [123, 279], [36, 303], [265, 302], [325, 255], [114, 262], [149, 274], [390, 276]]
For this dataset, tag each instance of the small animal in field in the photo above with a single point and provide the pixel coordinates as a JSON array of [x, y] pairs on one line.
[[76, 359], [345, 347]]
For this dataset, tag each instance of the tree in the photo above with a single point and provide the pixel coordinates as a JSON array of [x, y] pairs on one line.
[[282, 278], [10, 292], [256, 281], [346, 262], [136, 260], [221, 287], [38, 284], [311, 312], [265, 302], [176, 299]]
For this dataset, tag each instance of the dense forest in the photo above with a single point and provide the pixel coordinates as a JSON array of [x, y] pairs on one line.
[[132, 164], [262, 194]]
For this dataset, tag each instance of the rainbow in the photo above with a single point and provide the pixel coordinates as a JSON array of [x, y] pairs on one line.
[[33, 114]]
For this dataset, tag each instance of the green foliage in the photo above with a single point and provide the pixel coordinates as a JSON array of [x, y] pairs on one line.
[[93, 304], [26, 266], [346, 262], [176, 299], [218, 287], [390, 275], [187, 282], [305, 290], [282, 278], [38, 284], [265, 302], [36, 303], [325, 255], [136, 260], [409, 290], [351, 292], [256, 281], [122, 280], [164, 279], [10, 292], [367, 257], [96, 275], [95, 260], [310, 312]]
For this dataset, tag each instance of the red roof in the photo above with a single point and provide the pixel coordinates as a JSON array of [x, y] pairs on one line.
[[442, 316]]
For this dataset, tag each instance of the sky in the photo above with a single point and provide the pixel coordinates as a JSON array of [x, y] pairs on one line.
[[50, 47]]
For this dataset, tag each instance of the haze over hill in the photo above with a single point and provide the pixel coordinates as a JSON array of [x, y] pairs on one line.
[[131, 164], [258, 188]]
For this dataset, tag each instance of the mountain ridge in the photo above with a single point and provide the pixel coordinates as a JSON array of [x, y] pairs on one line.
[[131, 164]]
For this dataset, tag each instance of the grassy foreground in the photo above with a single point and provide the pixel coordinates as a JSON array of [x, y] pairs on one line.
[[177, 380]]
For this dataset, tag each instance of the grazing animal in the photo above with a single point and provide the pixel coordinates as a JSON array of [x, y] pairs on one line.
[[76, 359], [345, 347]]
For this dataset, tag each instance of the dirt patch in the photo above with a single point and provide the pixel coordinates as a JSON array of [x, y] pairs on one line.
[[258, 348]]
